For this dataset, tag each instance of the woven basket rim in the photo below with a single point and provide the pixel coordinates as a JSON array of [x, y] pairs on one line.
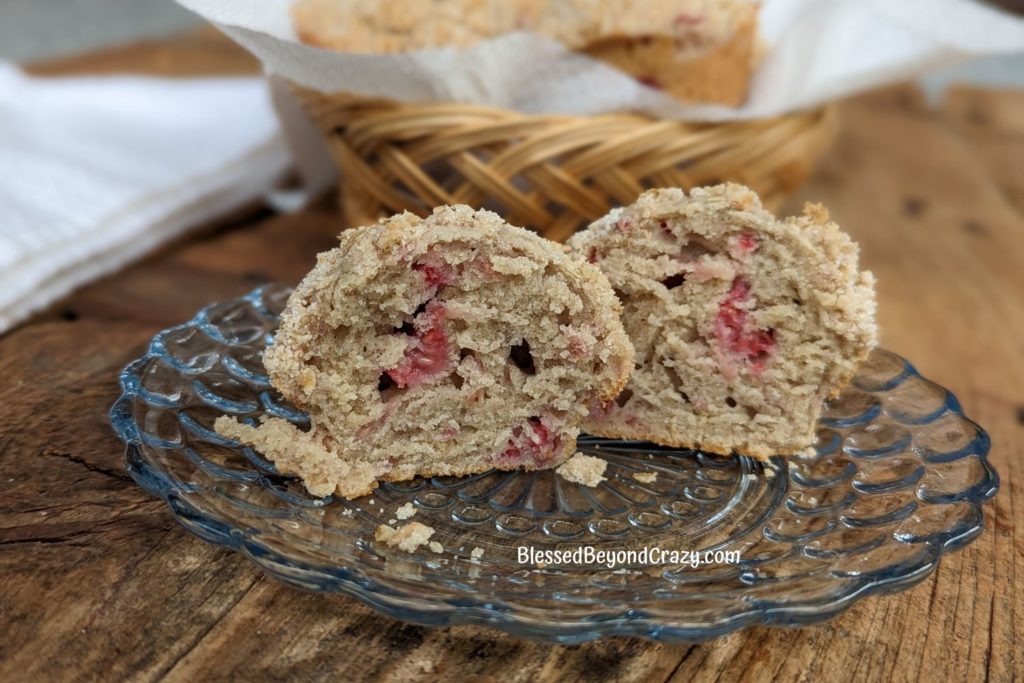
[[551, 172]]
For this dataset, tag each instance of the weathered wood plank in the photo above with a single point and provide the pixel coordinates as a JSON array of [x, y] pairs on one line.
[[991, 122]]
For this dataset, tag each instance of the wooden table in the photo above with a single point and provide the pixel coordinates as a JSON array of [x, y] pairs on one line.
[[98, 582]]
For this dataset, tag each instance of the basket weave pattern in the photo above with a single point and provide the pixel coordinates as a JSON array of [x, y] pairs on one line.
[[553, 174]]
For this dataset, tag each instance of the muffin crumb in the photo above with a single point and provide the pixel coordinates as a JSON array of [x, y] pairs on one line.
[[583, 469], [407, 537], [406, 511]]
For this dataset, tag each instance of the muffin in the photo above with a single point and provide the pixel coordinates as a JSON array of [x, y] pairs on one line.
[[695, 50], [742, 323], [441, 346]]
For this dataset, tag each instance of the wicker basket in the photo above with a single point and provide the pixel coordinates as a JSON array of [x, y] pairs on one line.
[[553, 174]]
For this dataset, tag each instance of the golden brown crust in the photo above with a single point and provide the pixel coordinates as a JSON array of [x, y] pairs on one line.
[[720, 74], [696, 50]]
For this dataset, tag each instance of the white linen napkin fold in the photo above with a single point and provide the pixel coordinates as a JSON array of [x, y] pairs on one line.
[[97, 171]]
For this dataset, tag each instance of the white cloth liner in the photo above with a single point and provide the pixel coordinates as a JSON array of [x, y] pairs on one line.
[[816, 50]]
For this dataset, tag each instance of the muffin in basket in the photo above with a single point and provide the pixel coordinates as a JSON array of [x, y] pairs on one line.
[[695, 50], [441, 346], [742, 323]]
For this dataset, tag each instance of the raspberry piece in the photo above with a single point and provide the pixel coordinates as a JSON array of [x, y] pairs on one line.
[[753, 346], [742, 244], [427, 355], [541, 434], [538, 446], [435, 271], [747, 242]]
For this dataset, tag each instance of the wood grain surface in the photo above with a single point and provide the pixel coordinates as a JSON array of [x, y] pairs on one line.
[[98, 582]]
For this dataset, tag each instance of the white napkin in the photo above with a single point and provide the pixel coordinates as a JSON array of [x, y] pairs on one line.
[[97, 171]]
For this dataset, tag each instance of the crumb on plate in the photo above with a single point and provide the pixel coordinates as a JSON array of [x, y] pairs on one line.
[[583, 469], [407, 537]]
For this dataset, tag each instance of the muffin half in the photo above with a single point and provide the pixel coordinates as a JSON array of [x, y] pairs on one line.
[[441, 346], [742, 323]]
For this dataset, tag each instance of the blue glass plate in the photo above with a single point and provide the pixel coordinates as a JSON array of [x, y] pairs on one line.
[[899, 478]]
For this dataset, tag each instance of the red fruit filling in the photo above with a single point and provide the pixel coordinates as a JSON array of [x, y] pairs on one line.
[[753, 346], [434, 276], [536, 445], [435, 271], [427, 355], [747, 242], [742, 244]]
